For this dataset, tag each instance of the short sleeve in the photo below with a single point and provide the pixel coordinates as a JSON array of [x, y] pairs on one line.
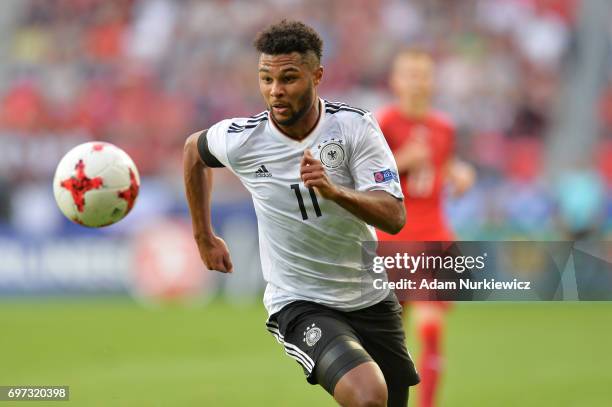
[[212, 145], [372, 164]]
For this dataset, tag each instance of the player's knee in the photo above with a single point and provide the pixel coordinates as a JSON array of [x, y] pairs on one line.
[[372, 396], [363, 386]]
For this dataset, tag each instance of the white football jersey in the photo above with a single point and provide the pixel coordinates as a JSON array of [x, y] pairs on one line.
[[310, 247]]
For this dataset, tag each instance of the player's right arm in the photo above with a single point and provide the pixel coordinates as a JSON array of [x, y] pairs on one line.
[[198, 188], [410, 155], [413, 155]]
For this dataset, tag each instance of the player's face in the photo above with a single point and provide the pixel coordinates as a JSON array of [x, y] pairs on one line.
[[287, 83], [412, 77]]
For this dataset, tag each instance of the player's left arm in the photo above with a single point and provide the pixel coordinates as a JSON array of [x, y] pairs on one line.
[[377, 208], [461, 176]]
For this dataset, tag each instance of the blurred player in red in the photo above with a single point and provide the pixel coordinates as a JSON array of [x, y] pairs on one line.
[[422, 141]]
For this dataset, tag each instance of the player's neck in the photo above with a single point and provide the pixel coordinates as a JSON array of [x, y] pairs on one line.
[[415, 109], [304, 127]]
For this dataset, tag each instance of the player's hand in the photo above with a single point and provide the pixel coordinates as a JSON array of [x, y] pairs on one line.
[[413, 155], [314, 176], [214, 254]]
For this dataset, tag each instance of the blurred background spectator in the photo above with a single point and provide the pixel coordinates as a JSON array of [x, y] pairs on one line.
[[145, 74]]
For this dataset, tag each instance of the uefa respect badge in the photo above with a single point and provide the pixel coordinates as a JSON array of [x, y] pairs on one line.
[[385, 176]]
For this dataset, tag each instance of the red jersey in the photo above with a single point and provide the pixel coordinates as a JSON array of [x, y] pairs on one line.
[[425, 220]]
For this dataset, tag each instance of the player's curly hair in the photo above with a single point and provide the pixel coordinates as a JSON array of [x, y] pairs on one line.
[[286, 37]]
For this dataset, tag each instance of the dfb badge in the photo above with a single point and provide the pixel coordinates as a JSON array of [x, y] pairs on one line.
[[331, 153], [312, 334]]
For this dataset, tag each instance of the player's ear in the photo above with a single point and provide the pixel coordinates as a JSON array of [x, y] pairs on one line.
[[318, 75]]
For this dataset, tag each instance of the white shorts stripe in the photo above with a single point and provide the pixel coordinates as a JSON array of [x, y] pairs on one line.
[[295, 355], [289, 345], [293, 351]]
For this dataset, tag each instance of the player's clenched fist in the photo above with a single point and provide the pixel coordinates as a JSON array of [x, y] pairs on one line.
[[313, 175], [215, 255]]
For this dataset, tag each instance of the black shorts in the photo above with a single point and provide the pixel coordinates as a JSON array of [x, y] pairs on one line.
[[310, 331]]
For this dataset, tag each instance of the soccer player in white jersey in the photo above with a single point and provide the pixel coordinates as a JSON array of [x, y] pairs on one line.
[[322, 177]]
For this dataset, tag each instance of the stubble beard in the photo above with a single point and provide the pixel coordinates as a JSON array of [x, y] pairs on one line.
[[306, 102]]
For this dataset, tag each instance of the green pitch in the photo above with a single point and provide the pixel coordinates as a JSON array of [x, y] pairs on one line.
[[114, 352]]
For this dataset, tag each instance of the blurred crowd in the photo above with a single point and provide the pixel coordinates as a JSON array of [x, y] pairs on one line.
[[145, 74]]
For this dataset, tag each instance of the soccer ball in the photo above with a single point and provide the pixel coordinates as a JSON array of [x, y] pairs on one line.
[[96, 184]]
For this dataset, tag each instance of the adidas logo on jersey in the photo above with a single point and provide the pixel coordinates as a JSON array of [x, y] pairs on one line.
[[262, 171]]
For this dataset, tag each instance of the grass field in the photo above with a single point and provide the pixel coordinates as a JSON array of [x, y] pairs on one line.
[[114, 352]]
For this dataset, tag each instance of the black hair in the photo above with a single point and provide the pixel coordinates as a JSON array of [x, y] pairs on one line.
[[286, 37]]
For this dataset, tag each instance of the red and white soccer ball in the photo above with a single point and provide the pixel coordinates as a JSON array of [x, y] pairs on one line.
[[96, 184]]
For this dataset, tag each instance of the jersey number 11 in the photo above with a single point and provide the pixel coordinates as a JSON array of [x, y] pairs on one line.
[[313, 197]]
